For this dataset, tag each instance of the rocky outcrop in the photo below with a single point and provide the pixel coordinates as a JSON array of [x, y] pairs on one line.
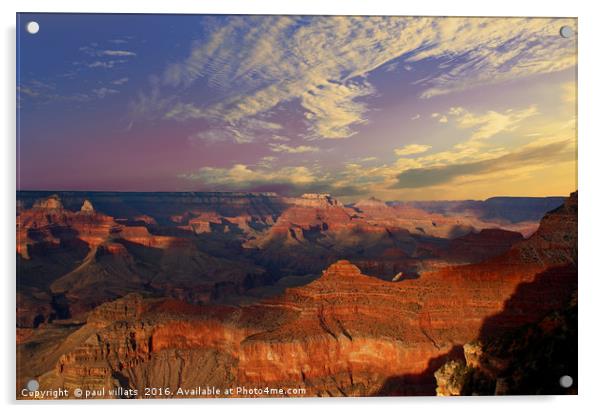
[[146, 220], [315, 200], [555, 241], [527, 360], [49, 204], [87, 207], [202, 223], [451, 378]]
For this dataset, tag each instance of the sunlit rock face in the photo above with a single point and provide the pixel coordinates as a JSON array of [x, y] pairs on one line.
[[52, 203], [87, 207]]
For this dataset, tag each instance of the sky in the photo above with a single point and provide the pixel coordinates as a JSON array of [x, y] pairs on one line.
[[399, 108]]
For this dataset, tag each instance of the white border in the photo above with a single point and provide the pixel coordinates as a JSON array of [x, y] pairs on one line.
[[590, 203]]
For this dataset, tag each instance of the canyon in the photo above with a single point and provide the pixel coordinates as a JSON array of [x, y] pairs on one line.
[[179, 290]]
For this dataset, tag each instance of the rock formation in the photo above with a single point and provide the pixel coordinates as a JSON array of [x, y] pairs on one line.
[[87, 207], [51, 203], [528, 360], [344, 333], [90, 258]]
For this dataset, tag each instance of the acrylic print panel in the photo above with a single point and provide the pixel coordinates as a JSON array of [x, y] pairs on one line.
[[295, 206]]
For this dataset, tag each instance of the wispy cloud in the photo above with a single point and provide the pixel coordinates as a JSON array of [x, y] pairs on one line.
[[221, 135], [323, 63], [102, 92], [441, 118], [369, 159], [105, 64], [44, 93], [242, 176], [478, 51], [259, 63], [244, 131], [120, 81], [411, 149], [262, 62], [115, 53], [103, 58], [490, 123], [279, 138], [276, 147], [94, 50]]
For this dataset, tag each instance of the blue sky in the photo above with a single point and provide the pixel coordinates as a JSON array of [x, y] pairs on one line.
[[393, 107]]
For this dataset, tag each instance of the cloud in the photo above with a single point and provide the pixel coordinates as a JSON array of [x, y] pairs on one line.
[[183, 111], [333, 108], [102, 92], [241, 176], [479, 51], [105, 64], [269, 158], [482, 126], [279, 138], [415, 117], [290, 180], [36, 91], [442, 118], [43, 93], [283, 60], [120, 81], [104, 58], [94, 50], [115, 53], [35, 88], [25, 90], [276, 147], [549, 153], [258, 63], [253, 64], [150, 104], [491, 122], [411, 149], [244, 131]]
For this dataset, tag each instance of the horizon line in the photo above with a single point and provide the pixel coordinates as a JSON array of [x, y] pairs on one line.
[[276, 194]]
